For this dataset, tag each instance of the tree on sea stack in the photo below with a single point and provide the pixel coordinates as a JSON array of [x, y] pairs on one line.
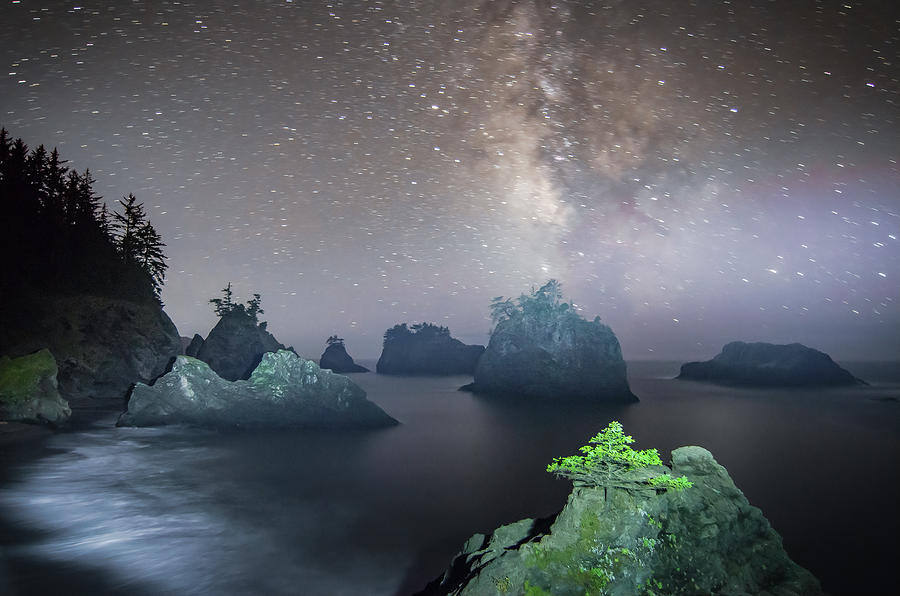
[[226, 306], [609, 462]]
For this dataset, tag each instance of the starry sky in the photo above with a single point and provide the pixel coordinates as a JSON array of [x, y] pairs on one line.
[[695, 172]]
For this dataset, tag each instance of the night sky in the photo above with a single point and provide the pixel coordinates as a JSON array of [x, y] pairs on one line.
[[695, 172]]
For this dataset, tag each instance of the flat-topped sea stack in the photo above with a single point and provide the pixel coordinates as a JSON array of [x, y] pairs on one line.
[[769, 365], [542, 349], [336, 358], [425, 349], [283, 391]]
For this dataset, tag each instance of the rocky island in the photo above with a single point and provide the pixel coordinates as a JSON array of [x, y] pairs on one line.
[[769, 365], [425, 349], [236, 345], [633, 526], [541, 348], [284, 390], [336, 358]]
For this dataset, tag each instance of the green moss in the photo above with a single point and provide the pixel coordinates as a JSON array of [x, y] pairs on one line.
[[20, 377]]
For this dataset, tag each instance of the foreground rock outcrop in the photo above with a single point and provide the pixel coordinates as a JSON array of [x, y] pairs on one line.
[[236, 345], [29, 391], [102, 345], [283, 391], [336, 358], [706, 539], [769, 365], [425, 349], [543, 349]]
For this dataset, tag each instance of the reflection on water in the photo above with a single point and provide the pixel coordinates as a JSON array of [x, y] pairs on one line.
[[178, 510]]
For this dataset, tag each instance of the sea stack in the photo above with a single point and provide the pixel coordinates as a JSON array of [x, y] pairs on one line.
[[769, 365], [542, 349], [425, 349]]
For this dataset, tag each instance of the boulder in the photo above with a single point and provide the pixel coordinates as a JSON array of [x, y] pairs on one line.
[[29, 391], [236, 345], [283, 391], [769, 365], [706, 539], [192, 348], [102, 345], [425, 349], [336, 358]]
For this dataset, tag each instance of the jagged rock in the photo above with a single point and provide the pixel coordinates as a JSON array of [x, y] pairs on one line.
[[336, 358], [283, 391], [193, 347], [543, 349], [102, 345], [425, 349], [706, 539], [764, 364], [29, 391], [236, 345]]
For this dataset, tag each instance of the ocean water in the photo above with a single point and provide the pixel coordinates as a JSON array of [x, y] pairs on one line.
[[184, 511]]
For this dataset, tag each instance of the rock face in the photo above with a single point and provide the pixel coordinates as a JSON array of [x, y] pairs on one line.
[[102, 345], [236, 345], [425, 349], [28, 389], [283, 391], [703, 540], [772, 365], [336, 358], [193, 347]]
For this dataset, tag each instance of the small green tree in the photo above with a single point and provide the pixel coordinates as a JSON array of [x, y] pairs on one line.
[[334, 339], [608, 462]]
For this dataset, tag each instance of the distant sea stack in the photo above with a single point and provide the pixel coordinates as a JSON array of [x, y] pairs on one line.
[[769, 365], [542, 349], [425, 349], [336, 358], [283, 391]]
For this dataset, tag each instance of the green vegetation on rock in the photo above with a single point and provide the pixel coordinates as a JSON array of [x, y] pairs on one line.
[[609, 462], [29, 391], [20, 377]]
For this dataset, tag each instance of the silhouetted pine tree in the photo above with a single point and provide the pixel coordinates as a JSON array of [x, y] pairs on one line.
[[56, 233]]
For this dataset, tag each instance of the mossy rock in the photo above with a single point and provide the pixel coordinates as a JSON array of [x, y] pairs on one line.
[[28, 389]]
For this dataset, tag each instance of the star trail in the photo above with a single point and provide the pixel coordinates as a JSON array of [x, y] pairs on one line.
[[693, 172]]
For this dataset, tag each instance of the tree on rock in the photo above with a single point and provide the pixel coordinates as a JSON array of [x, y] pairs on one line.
[[226, 305], [609, 462], [138, 242]]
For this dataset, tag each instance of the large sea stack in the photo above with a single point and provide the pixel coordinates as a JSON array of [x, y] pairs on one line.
[[706, 539], [425, 349], [541, 348], [283, 391], [769, 365]]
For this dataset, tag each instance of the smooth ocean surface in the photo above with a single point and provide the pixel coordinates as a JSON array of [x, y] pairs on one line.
[[185, 511]]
